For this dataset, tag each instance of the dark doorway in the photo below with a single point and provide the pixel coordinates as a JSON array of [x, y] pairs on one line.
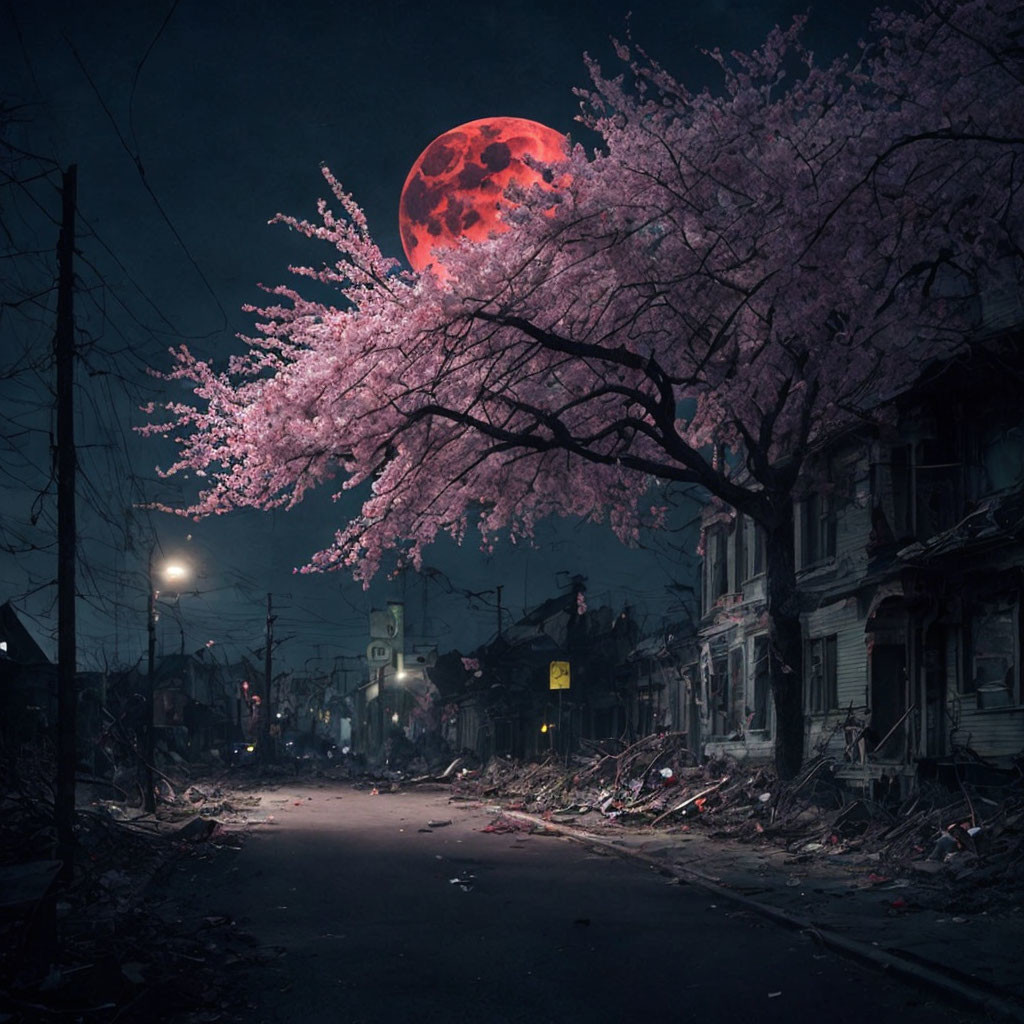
[[888, 700], [887, 696], [934, 659]]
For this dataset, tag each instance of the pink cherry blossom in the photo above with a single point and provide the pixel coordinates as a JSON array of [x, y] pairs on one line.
[[752, 270]]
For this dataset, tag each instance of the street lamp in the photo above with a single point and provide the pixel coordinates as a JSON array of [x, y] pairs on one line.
[[172, 572], [175, 572]]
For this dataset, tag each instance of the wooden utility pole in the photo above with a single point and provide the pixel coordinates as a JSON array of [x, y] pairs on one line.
[[67, 695], [148, 745], [268, 664]]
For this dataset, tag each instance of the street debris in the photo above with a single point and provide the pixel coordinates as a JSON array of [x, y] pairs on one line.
[[106, 947], [967, 845]]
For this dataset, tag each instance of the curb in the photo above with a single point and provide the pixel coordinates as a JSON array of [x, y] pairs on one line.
[[1002, 1006]]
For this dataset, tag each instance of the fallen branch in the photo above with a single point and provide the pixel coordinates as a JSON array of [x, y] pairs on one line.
[[899, 722], [692, 799], [785, 798], [632, 752]]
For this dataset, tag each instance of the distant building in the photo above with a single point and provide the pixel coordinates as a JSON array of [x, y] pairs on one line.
[[395, 717], [554, 678]]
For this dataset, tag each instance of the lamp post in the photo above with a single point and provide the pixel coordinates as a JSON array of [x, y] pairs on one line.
[[173, 572]]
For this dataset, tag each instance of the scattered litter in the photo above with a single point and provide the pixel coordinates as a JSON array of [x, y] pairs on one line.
[[196, 830], [937, 836], [946, 844]]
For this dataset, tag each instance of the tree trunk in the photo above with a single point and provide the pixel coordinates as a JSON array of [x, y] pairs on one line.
[[785, 649]]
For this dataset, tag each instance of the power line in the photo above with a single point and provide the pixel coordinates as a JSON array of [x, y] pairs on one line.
[[137, 162]]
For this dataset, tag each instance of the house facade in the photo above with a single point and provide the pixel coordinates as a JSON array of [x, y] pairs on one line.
[[910, 558]]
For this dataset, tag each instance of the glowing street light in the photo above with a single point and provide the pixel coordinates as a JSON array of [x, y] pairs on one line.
[[175, 572], [172, 572]]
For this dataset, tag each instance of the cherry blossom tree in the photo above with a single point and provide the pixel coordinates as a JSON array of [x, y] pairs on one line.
[[732, 281]]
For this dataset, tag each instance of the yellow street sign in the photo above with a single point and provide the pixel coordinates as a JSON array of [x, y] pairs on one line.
[[558, 676]]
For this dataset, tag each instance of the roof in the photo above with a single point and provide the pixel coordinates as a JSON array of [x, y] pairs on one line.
[[21, 647]]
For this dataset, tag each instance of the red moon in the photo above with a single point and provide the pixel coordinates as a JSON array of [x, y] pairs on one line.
[[454, 189]]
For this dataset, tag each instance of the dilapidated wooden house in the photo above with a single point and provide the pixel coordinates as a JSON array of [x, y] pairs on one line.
[[910, 557]]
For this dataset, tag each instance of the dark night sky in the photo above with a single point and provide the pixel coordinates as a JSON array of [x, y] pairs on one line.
[[230, 108]]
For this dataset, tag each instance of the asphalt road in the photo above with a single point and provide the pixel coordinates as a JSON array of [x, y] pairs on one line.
[[400, 907]]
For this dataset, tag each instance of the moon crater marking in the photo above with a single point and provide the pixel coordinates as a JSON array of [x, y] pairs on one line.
[[454, 190]]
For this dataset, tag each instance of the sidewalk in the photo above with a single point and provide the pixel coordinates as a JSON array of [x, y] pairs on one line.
[[904, 925]]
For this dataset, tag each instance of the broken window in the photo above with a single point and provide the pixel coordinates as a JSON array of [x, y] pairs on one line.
[[821, 659], [993, 644]]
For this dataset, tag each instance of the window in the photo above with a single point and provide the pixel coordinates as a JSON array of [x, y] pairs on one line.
[[817, 529], [739, 559], [753, 549], [900, 468], [718, 693], [820, 670], [716, 566], [938, 470], [925, 487], [1000, 457], [720, 684], [736, 684], [993, 648], [759, 714]]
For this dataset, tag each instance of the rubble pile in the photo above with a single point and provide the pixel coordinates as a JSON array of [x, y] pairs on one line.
[[640, 782], [967, 844]]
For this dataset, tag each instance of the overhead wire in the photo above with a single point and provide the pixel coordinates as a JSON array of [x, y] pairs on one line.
[[110, 481]]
